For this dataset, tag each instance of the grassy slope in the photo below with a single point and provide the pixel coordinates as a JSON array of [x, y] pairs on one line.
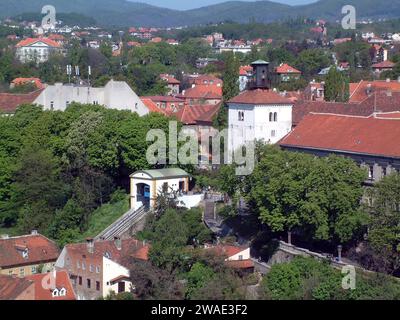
[[104, 216]]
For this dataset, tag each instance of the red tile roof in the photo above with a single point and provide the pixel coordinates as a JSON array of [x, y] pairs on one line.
[[169, 79], [130, 248], [363, 135], [207, 92], [198, 114], [31, 41], [164, 99], [358, 91], [245, 70], [377, 102], [35, 81], [384, 65], [44, 286], [40, 250], [260, 96], [150, 104], [9, 102], [226, 250], [240, 264], [285, 69], [12, 287]]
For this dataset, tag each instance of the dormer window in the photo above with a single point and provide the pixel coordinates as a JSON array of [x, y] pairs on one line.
[[25, 254], [62, 292], [55, 293]]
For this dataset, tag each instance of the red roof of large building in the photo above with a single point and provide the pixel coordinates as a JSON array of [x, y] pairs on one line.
[[286, 69], [377, 102], [39, 250], [260, 96], [352, 134], [11, 288], [9, 102], [30, 41], [46, 283], [151, 105]]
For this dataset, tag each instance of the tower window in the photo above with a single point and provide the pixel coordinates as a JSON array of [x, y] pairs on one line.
[[275, 117]]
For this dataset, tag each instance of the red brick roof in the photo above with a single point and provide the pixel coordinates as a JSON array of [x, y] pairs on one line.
[[285, 68], [365, 135], [260, 96], [384, 65], [40, 250], [12, 287], [206, 79], [198, 114], [61, 280], [31, 41], [9, 102]]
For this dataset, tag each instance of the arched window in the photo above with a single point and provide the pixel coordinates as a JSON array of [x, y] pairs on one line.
[[275, 116], [270, 117]]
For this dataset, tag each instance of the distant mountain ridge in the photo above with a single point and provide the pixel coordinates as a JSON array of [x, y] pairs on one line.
[[125, 13]]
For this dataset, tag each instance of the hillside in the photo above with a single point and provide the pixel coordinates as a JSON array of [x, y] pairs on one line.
[[125, 13]]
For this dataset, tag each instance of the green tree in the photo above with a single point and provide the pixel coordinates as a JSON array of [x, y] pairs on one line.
[[336, 86], [197, 278], [384, 228]]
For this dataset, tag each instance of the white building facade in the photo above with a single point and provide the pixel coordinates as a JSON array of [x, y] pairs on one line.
[[36, 50], [115, 95], [258, 113]]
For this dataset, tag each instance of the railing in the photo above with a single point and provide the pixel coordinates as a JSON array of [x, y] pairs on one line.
[[123, 224]]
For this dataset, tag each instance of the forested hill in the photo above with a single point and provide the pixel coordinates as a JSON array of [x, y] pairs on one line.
[[127, 13]]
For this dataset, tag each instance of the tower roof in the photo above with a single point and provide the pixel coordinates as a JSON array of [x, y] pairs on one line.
[[259, 62]]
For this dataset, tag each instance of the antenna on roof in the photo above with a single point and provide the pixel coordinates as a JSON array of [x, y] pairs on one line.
[[89, 74], [69, 72]]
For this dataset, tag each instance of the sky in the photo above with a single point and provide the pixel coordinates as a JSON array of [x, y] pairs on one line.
[[191, 4]]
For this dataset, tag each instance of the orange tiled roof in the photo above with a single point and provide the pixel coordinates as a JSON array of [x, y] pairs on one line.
[[362, 135], [240, 264], [260, 96], [62, 280], [11, 287], [384, 65], [31, 41], [285, 68], [40, 250], [36, 81], [358, 91], [197, 114]]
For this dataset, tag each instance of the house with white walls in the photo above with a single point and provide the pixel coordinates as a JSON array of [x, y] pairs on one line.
[[114, 95], [97, 268], [258, 113]]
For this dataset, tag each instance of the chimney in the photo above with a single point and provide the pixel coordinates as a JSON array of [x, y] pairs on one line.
[[388, 80], [369, 89], [90, 245], [34, 232], [118, 243]]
